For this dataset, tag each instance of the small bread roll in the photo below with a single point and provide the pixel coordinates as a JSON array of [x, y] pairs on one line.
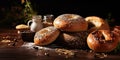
[[46, 35], [22, 27], [70, 23]]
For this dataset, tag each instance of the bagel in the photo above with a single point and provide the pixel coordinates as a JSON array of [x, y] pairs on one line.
[[102, 41], [70, 23], [96, 23], [46, 35]]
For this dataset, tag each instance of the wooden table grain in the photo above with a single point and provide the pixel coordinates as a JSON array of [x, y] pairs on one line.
[[29, 51]]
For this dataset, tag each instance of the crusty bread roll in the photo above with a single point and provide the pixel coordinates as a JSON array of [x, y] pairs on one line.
[[22, 27], [70, 23], [102, 41], [46, 35]]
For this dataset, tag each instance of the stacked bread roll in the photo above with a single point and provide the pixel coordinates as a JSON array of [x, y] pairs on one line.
[[68, 30], [74, 30]]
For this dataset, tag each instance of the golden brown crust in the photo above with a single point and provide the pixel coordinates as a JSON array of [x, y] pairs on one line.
[[70, 22], [99, 23], [22, 26], [46, 35], [102, 41]]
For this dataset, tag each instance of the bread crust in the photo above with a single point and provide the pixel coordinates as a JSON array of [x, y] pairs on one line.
[[70, 23], [99, 23], [102, 41], [46, 35]]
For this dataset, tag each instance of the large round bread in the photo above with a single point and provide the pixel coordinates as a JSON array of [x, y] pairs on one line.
[[70, 23]]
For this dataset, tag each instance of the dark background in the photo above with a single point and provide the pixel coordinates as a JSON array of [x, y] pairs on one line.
[[82, 7]]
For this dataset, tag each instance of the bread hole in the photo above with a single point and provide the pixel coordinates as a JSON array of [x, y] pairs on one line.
[[90, 25]]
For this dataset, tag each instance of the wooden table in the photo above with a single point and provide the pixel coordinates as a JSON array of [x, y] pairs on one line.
[[29, 51]]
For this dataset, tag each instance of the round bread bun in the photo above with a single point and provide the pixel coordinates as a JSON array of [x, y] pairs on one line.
[[74, 40], [46, 35], [96, 23], [102, 41], [70, 23], [22, 27]]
